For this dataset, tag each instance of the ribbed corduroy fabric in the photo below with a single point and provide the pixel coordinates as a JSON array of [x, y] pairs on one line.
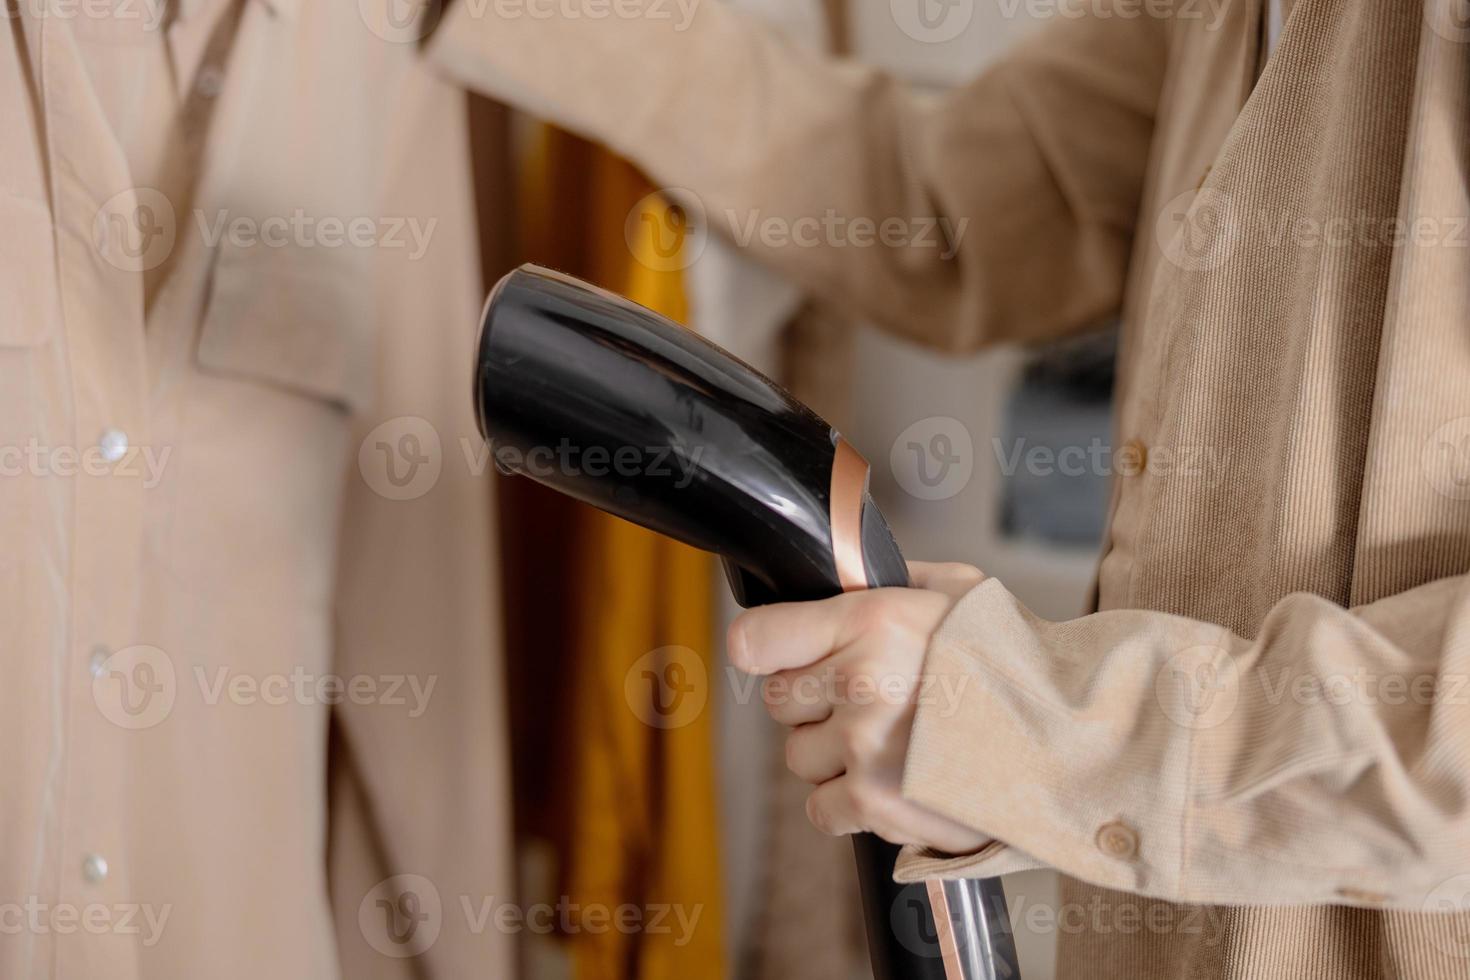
[[1329, 371]]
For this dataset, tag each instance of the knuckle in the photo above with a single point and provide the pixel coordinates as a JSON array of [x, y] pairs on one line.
[[964, 576], [860, 802], [863, 680], [737, 643], [871, 611], [858, 745], [817, 815], [793, 752]]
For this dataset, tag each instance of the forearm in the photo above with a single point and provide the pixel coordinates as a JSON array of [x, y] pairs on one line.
[[958, 224], [1322, 762]]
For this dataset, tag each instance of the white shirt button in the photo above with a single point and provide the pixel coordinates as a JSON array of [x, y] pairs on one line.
[[211, 81], [96, 662], [94, 868], [114, 445]]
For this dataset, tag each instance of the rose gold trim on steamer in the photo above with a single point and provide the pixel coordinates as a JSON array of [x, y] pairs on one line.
[[845, 508], [949, 948]]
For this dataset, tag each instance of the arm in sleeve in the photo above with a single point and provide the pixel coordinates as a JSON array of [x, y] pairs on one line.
[[1326, 761], [1004, 211]]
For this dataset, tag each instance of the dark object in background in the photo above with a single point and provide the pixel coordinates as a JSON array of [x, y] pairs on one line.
[[1055, 449], [612, 404]]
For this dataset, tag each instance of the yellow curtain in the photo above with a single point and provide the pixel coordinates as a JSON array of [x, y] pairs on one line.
[[640, 826]]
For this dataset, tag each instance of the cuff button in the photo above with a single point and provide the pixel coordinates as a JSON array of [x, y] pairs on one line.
[[1118, 840]]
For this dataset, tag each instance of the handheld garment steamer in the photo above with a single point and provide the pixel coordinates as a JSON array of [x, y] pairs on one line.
[[675, 434]]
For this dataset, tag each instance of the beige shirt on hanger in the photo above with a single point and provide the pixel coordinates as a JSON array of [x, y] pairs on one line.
[[251, 706]]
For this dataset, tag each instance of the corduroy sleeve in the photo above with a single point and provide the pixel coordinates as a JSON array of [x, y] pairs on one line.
[[1004, 211], [1325, 761]]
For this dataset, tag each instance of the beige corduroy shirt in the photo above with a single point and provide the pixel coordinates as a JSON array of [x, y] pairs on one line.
[[1254, 760], [250, 707]]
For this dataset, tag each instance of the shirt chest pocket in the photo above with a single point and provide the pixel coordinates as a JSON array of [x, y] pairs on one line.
[[303, 323], [286, 360]]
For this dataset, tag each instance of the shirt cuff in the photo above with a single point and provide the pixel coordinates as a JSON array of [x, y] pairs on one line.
[[1010, 739], [991, 861]]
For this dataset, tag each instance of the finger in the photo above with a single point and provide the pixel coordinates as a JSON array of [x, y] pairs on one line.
[[833, 808], [954, 579], [926, 828], [853, 805], [791, 635], [797, 697], [814, 753]]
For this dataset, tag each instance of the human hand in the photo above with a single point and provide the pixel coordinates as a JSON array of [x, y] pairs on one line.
[[846, 674]]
